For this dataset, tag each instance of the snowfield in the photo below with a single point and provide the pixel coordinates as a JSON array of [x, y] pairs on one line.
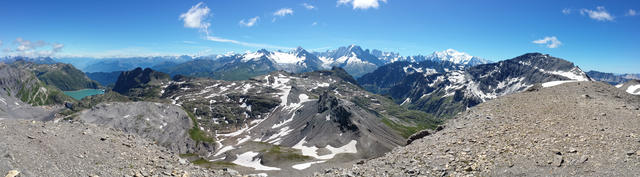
[[247, 160], [554, 83], [303, 166], [634, 89], [312, 150]]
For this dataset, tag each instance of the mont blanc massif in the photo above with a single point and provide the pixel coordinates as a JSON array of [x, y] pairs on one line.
[[301, 113]]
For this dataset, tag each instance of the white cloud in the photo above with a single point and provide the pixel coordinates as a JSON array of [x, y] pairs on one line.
[[29, 48], [308, 6], [631, 12], [283, 12], [600, 14], [550, 42], [566, 11], [196, 17], [250, 22], [362, 4], [217, 39], [314, 23]]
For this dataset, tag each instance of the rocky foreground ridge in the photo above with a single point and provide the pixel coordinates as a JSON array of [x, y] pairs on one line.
[[33, 148], [573, 129]]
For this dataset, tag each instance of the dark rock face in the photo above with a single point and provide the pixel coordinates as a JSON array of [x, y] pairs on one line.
[[340, 114], [387, 76], [136, 82], [449, 92]]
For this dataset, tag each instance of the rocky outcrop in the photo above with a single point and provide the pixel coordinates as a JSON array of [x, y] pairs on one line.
[[76, 149], [572, 129], [166, 124], [23, 96], [140, 83]]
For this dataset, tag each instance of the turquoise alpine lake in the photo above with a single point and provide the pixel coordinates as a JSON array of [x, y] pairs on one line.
[[79, 94]]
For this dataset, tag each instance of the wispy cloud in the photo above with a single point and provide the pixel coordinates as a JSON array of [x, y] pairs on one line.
[[217, 39], [197, 17], [30, 48], [250, 22], [600, 14], [314, 23], [566, 11], [189, 42], [308, 6], [283, 12], [549, 41], [631, 12], [362, 4]]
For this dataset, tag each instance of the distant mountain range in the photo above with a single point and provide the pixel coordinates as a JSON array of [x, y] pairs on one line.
[[612, 78], [354, 59]]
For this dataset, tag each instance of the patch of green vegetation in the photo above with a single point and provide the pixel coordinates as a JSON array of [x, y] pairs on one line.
[[223, 163], [443, 107], [195, 133], [277, 153], [201, 161], [413, 120], [36, 93], [407, 131], [185, 155]]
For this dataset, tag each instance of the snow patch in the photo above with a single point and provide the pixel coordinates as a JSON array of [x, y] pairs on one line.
[[554, 83], [634, 89], [247, 160], [245, 139], [303, 166], [223, 150], [312, 150]]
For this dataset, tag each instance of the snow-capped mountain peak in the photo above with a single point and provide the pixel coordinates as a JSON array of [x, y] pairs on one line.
[[457, 57]]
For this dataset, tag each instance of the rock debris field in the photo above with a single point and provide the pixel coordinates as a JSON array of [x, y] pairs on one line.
[[573, 129]]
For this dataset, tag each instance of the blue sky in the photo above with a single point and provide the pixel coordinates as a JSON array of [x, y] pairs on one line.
[[595, 34]]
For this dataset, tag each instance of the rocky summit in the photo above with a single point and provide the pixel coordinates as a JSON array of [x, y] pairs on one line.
[[572, 129]]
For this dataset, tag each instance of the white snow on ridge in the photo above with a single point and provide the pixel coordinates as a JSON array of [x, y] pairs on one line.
[[285, 58], [303, 166], [619, 85], [223, 150], [247, 160], [634, 89], [245, 139], [570, 74], [312, 150], [554, 83], [452, 56], [251, 56]]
